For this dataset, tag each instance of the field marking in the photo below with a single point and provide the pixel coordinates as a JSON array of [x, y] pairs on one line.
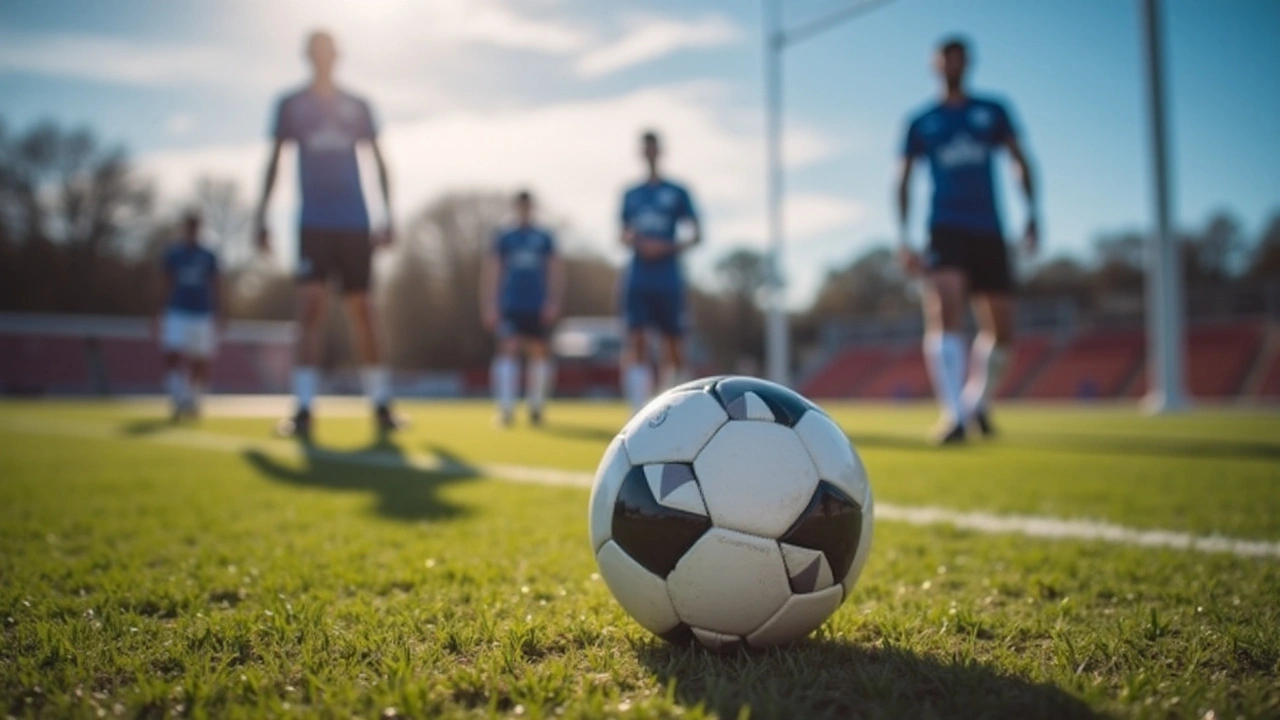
[[1044, 528]]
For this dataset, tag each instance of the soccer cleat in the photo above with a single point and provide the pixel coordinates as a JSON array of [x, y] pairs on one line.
[[949, 435], [504, 419], [387, 421], [983, 422], [535, 417], [298, 426]]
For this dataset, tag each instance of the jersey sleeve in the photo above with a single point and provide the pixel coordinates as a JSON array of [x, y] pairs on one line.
[[687, 210], [913, 143], [1002, 129], [282, 127], [551, 243], [624, 214]]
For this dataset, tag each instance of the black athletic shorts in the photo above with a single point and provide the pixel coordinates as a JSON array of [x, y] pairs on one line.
[[527, 325], [982, 257], [344, 254]]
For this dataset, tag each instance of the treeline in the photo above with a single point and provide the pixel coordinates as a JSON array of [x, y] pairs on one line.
[[80, 232]]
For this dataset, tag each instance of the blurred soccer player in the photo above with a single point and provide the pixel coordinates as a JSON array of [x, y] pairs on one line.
[[653, 214], [334, 242], [187, 324], [521, 284], [967, 255]]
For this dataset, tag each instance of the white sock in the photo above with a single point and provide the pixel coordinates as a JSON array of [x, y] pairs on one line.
[[195, 392], [539, 380], [377, 384], [944, 356], [176, 382], [502, 375], [988, 362], [671, 376], [305, 382], [637, 385]]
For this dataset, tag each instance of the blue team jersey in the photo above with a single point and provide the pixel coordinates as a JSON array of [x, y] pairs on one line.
[[655, 210], [959, 142], [525, 253], [194, 272], [326, 130]]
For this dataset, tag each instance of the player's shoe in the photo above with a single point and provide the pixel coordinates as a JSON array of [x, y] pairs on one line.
[[535, 417], [175, 413], [982, 420], [949, 434], [504, 419], [299, 426], [386, 421]]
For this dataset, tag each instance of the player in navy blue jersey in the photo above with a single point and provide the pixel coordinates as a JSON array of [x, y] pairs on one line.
[[966, 255], [328, 124], [188, 324], [521, 284], [658, 224]]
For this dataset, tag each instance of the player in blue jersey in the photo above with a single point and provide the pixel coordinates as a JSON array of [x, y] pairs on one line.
[[967, 255], [188, 323], [328, 124], [659, 223], [521, 284]]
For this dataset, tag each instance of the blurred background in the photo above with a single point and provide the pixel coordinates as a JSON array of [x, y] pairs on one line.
[[117, 116]]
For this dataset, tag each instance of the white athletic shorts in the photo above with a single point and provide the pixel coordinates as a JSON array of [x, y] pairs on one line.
[[188, 334]]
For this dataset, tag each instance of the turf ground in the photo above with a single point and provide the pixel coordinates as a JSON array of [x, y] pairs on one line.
[[212, 571]]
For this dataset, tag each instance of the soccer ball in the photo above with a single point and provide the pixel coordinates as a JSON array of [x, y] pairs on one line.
[[731, 510]]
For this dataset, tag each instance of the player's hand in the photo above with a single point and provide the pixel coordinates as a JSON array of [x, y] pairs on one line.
[[1031, 237], [550, 313], [650, 249], [910, 261], [490, 318]]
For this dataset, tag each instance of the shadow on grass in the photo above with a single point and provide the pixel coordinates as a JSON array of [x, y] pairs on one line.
[[147, 426], [1111, 444], [826, 679], [579, 432], [403, 491]]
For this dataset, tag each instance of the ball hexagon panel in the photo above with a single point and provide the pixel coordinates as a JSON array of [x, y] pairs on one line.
[[614, 466], [641, 593], [799, 616], [673, 428], [785, 405], [832, 523], [807, 568], [756, 477], [833, 455], [729, 583], [653, 534]]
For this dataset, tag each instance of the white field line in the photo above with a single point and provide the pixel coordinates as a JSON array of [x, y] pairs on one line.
[[1027, 525]]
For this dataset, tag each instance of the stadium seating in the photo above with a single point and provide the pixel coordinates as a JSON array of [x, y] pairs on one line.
[[1270, 386], [1097, 364], [35, 364], [1218, 357], [904, 378], [844, 374], [235, 369], [1029, 355], [133, 365]]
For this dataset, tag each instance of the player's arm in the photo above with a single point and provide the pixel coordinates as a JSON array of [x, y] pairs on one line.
[[555, 288], [1026, 180], [260, 234], [384, 181], [490, 268], [907, 255], [215, 290], [693, 224]]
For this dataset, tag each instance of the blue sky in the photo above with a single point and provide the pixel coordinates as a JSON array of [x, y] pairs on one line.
[[550, 93]]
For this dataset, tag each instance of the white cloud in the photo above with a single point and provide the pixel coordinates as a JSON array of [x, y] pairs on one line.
[[654, 37]]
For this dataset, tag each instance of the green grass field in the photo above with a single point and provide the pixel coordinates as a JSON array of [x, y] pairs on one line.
[[211, 571]]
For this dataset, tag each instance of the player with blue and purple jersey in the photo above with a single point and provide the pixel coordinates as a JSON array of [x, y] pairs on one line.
[[521, 284], [655, 215], [187, 325], [967, 254], [335, 242]]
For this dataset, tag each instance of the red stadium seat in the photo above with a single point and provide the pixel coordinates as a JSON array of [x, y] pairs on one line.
[[44, 364], [844, 373], [1029, 354], [904, 378], [1099, 364], [1217, 359]]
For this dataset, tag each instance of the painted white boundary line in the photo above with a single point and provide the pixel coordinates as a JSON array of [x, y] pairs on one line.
[[982, 522]]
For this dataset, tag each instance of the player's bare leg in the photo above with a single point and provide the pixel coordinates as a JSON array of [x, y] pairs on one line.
[[313, 299], [637, 381], [538, 382], [375, 376], [175, 383], [673, 368], [503, 377], [989, 357], [944, 348], [199, 381]]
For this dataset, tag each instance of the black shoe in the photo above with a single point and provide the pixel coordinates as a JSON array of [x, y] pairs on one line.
[[983, 421], [298, 426], [386, 421], [950, 435], [535, 418]]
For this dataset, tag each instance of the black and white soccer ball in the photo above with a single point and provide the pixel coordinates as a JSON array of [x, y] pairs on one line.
[[731, 510]]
